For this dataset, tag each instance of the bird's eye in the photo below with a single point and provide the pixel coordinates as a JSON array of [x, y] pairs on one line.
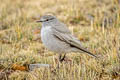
[[46, 19]]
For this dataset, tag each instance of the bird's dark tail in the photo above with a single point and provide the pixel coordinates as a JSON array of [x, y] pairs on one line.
[[88, 52]]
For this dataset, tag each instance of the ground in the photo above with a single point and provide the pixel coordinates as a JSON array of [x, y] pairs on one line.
[[95, 23]]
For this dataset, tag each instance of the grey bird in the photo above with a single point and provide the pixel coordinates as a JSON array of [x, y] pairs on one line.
[[58, 38]]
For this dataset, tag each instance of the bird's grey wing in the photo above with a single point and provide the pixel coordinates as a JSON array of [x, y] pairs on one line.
[[61, 27], [70, 39]]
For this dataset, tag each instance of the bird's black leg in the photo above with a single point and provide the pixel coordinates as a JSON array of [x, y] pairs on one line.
[[61, 59]]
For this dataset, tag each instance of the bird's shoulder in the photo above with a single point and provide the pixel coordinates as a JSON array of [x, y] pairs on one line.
[[62, 28]]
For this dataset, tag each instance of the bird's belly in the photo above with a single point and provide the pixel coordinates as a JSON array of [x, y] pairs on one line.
[[51, 42]]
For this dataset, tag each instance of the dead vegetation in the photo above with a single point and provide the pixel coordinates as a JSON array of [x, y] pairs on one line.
[[96, 23]]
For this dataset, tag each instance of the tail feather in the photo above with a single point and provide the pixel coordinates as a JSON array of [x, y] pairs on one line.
[[88, 52]]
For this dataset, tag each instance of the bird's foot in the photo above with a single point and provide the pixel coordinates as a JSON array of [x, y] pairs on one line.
[[61, 59]]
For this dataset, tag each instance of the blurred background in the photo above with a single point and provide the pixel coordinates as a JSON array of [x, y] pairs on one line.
[[96, 23]]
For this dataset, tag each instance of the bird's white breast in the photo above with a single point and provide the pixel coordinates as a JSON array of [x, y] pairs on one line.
[[45, 31], [47, 37], [46, 34], [50, 41]]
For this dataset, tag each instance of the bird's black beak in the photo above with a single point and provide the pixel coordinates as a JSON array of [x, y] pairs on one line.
[[39, 21]]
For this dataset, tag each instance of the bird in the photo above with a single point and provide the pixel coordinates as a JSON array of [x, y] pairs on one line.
[[56, 37]]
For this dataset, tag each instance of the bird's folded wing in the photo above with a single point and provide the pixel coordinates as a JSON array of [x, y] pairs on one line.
[[60, 27], [70, 39]]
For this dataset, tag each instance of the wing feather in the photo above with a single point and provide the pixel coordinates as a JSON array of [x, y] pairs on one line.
[[70, 39]]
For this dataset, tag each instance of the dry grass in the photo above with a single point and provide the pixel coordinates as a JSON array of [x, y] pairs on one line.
[[96, 23]]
